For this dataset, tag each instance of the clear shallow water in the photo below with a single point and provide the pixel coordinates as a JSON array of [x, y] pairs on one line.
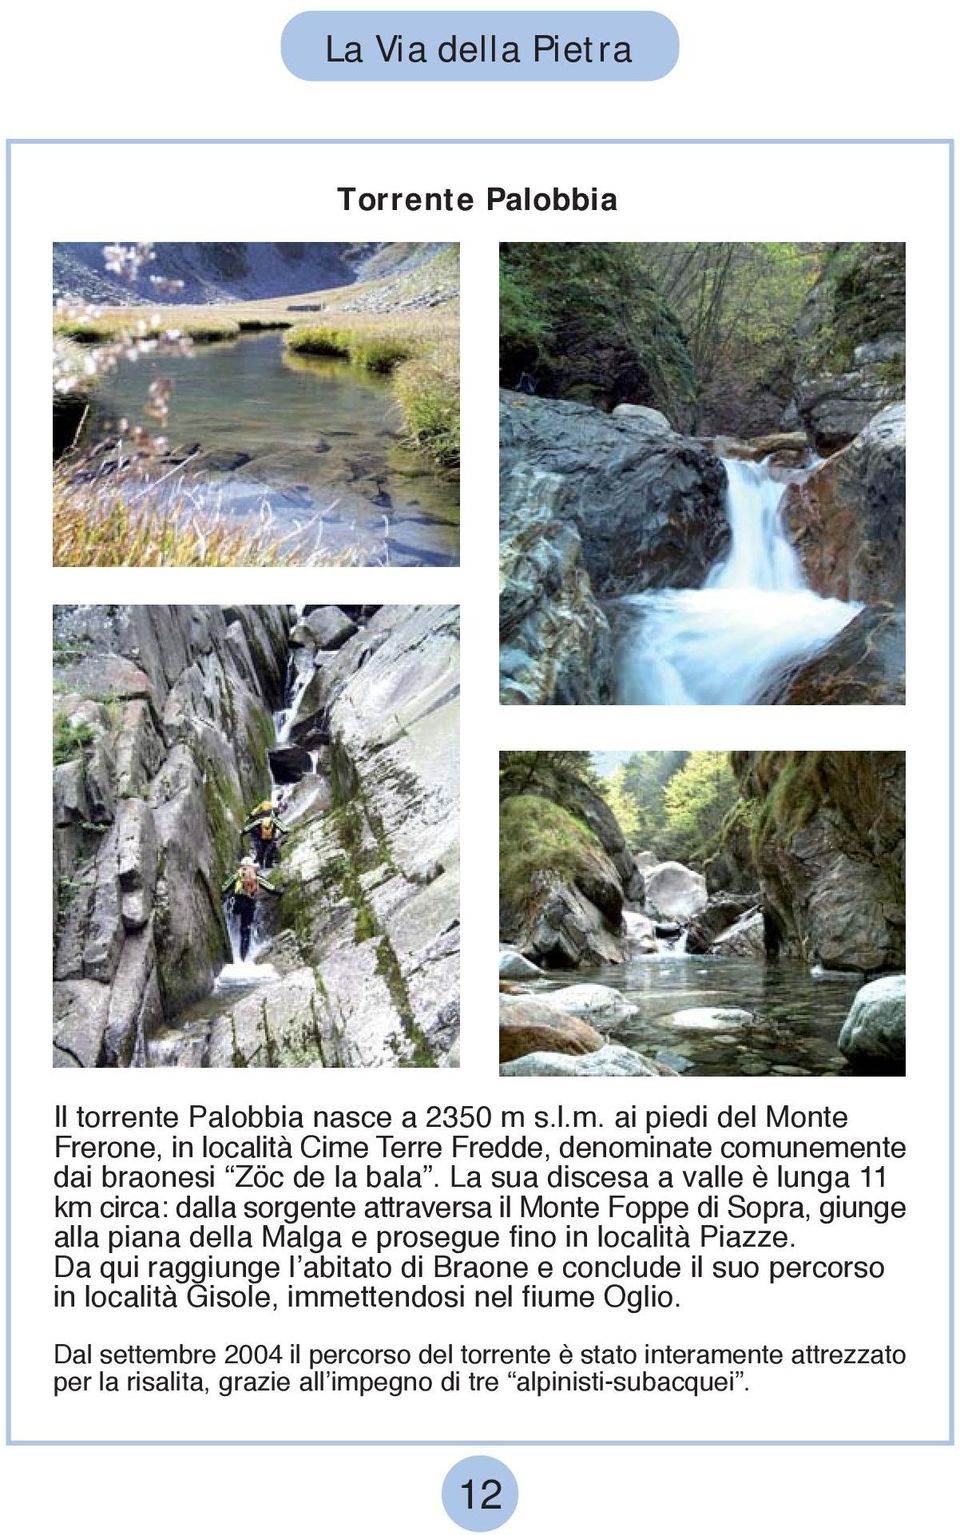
[[309, 435], [721, 643], [796, 1018]]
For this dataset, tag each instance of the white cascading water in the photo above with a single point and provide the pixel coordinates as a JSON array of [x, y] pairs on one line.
[[754, 612]]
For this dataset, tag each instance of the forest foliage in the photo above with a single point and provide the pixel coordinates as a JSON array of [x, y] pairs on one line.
[[677, 805], [706, 332], [674, 804]]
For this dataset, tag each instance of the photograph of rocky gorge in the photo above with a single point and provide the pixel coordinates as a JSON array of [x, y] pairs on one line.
[[703, 913], [703, 464], [240, 403], [256, 836]]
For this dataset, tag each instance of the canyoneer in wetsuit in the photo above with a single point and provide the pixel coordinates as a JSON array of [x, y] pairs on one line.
[[243, 887], [266, 829]]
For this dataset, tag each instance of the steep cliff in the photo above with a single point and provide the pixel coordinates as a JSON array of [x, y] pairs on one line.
[[851, 342], [162, 719], [828, 846]]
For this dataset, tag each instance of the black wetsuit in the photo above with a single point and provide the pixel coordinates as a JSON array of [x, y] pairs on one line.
[[245, 906]]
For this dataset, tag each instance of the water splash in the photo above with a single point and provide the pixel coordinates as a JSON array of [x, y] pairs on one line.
[[243, 974], [754, 613]]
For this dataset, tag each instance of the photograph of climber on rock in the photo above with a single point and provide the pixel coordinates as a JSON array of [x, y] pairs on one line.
[[242, 889], [256, 836], [702, 913], [240, 403], [702, 471]]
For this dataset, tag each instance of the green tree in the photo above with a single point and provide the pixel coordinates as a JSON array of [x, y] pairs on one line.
[[696, 802], [523, 772]]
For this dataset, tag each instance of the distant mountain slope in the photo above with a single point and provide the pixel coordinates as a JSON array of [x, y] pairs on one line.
[[226, 272]]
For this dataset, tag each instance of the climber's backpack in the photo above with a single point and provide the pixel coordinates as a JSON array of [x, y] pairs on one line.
[[266, 828], [247, 882]]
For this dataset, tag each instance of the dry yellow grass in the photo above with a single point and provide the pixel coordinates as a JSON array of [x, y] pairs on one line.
[[442, 321], [112, 523]]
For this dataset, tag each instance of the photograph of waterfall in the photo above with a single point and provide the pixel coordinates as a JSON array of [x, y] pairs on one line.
[[240, 403], [702, 913], [702, 469], [256, 836]]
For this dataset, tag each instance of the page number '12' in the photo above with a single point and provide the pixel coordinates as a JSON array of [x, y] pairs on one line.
[[480, 1493]]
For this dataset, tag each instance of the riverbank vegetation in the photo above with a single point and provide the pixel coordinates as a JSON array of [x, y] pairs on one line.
[[107, 525]]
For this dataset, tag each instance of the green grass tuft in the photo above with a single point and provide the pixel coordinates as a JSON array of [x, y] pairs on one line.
[[427, 390], [69, 741]]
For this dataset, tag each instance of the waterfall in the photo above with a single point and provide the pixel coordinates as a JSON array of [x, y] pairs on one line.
[[754, 612]]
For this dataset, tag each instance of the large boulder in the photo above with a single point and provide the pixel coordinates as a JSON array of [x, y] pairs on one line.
[[746, 939], [324, 629], [639, 933], [721, 912], [592, 506], [526, 1026], [643, 415], [864, 664], [610, 1061], [513, 967], [846, 519], [673, 893], [599, 1005], [873, 1037]]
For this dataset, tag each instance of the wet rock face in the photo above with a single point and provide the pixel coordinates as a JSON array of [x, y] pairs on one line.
[[864, 664], [846, 519], [555, 641], [830, 854], [365, 936], [592, 506], [164, 715]]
